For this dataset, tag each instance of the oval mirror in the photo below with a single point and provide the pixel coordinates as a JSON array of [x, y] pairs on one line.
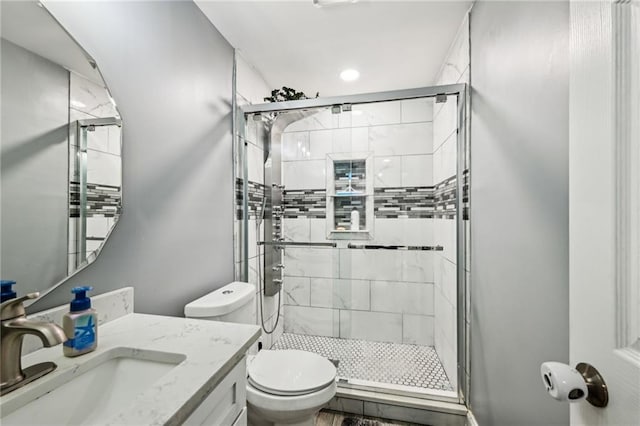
[[60, 152]]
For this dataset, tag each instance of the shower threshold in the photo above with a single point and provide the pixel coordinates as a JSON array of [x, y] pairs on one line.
[[395, 368]]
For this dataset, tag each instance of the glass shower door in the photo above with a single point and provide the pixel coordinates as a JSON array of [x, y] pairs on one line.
[[369, 236]]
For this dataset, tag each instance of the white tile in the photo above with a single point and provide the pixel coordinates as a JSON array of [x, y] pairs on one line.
[[73, 233], [340, 294], [269, 306], [345, 119], [98, 139], [371, 264], [417, 266], [417, 329], [376, 326], [304, 174], [75, 114], [295, 146], [341, 140], [251, 239], [414, 110], [388, 171], [417, 170], [446, 276], [320, 144], [255, 165], [360, 139], [97, 227], [115, 140], [296, 291], [419, 232], [446, 236], [376, 114], [404, 231], [103, 168], [445, 121], [444, 321], [318, 228], [296, 229], [389, 231], [89, 97], [311, 262], [401, 139], [401, 297], [313, 321], [322, 119], [458, 57]]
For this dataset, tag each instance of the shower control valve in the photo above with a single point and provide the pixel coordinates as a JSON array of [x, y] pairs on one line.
[[277, 281], [276, 186], [278, 267]]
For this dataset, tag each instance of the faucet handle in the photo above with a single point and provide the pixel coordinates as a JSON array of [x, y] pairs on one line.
[[14, 308]]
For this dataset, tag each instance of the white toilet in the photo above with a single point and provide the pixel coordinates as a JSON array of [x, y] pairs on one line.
[[285, 387]]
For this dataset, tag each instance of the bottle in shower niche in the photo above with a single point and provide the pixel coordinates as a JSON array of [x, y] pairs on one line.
[[355, 220], [80, 324]]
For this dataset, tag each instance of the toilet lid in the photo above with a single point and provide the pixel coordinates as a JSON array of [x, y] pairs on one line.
[[290, 372]]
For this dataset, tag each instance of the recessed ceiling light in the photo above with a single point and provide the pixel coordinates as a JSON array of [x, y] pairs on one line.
[[323, 3], [350, 75]]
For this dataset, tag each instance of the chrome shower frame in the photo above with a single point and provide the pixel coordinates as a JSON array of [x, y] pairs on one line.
[[462, 226]]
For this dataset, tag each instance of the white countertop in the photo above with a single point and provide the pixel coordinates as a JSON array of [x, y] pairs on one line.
[[211, 349]]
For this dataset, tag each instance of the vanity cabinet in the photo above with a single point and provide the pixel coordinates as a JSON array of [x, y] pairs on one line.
[[226, 404]]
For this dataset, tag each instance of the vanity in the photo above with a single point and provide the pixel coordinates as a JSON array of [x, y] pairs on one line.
[[147, 370]]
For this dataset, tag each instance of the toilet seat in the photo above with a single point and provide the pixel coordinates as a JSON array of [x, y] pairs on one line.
[[290, 372]]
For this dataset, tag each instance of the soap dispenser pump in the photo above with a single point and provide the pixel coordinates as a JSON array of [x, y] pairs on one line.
[[7, 292], [80, 324]]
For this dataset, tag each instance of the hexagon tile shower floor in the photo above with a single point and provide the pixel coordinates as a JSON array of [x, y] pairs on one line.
[[394, 363]]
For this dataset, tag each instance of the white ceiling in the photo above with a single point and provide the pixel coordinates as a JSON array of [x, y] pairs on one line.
[[394, 44], [30, 26]]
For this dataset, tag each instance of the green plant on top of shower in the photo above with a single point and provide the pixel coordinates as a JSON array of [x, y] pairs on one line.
[[287, 94]]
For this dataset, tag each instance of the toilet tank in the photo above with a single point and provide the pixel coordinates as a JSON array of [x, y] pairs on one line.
[[235, 302]]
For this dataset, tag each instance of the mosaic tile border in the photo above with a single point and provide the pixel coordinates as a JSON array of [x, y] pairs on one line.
[[102, 200], [311, 203], [255, 192], [413, 202]]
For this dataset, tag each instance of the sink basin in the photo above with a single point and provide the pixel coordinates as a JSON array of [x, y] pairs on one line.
[[92, 392]]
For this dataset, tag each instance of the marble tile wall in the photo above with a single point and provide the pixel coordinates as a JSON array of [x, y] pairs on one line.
[[251, 89], [379, 295], [88, 100], [455, 69]]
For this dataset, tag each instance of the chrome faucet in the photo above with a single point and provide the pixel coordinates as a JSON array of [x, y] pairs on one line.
[[14, 326]]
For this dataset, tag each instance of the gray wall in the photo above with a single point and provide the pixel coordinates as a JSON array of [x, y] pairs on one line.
[[170, 72], [519, 208], [34, 155]]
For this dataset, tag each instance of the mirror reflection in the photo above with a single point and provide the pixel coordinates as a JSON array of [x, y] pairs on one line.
[[61, 154]]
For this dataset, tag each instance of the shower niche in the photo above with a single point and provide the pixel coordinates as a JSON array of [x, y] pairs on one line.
[[350, 205]]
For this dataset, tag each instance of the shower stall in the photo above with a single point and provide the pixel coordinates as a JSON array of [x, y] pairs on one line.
[[352, 222]]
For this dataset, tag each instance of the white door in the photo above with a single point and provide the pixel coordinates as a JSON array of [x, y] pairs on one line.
[[604, 204]]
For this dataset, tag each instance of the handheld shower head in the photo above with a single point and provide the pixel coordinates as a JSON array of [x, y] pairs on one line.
[[261, 217]]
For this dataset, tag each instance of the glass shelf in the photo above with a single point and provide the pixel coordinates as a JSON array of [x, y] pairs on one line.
[[355, 194]]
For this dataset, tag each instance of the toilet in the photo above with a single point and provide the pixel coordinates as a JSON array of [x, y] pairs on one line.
[[284, 387]]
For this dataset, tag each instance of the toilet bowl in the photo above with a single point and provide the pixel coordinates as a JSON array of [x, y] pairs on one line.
[[288, 387], [284, 387]]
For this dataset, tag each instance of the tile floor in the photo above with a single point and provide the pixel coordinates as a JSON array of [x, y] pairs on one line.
[[393, 363], [332, 418]]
